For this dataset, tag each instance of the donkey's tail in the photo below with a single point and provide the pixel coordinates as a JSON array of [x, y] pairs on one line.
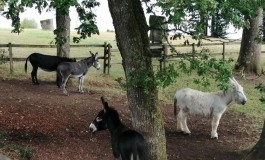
[[26, 65], [175, 106]]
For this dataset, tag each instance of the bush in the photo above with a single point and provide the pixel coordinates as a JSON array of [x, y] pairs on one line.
[[29, 23], [3, 57]]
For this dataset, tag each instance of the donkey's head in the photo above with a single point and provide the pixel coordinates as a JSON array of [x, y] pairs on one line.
[[238, 92], [100, 122], [96, 63]]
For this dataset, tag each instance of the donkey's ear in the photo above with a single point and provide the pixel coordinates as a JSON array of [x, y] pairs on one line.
[[106, 107], [235, 81], [103, 101], [96, 54], [232, 82], [91, 53], [105, 104]]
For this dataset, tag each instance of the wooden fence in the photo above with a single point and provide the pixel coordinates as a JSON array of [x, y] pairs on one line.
[[106, 57], [164, 57], [162, 48]]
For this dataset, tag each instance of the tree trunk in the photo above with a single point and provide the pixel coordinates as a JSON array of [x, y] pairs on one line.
[[264, 29], [213, 26], [249, 59], [257, 152], [132, 40], [63, 33]]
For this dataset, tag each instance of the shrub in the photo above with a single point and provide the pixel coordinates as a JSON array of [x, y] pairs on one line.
[[29, 23], [3, 57]]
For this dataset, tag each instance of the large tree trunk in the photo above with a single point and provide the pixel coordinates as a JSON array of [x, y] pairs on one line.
[[63, 33], [257, 152], [132, 40], [249, 59]]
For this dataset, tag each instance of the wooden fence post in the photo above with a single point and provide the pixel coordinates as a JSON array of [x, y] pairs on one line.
[[193, 48], [10, 58], [105, 58], [109, 56], [165, 48], [223, 51]]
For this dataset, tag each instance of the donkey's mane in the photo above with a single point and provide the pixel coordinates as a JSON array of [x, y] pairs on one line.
[[66, 58]]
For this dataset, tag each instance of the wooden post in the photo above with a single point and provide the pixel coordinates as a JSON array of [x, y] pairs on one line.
[[193, 48], [223, 51], [165, 48], [105, 58], [109, 56], [10, 58]]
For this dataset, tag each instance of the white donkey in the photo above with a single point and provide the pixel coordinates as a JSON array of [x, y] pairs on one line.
[[206, 103]]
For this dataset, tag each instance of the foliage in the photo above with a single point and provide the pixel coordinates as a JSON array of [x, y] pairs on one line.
[[261, 89], [207, 67], [218, 25], [191, 16], [84, 9], [29, 23]]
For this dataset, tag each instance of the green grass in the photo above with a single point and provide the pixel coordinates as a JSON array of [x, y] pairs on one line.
[[107, 83], [24, 153]]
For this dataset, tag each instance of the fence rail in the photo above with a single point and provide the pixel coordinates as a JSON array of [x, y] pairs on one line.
[[108, 50], [106, 57]]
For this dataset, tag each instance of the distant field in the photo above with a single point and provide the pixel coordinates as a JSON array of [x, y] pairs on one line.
[[41, 37]]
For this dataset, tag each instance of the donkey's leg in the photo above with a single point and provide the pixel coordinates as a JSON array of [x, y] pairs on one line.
[[64, 81], [34, 75], [179, 119], [184, 123], [215, 122], [81, 82], [58, 79]]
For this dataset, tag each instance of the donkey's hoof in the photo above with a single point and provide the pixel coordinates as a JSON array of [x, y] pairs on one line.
[[186, 134], [214, 137]]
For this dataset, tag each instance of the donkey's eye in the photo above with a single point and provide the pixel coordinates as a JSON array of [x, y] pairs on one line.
[[98, 119]]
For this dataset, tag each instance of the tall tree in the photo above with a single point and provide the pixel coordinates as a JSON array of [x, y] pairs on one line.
[[132, 40], [249, 56]]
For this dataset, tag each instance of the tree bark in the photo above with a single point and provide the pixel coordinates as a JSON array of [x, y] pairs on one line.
[[63, 33], [249, 59], [132, 40], [257, 152]]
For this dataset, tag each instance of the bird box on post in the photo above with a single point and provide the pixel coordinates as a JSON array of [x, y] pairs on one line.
[[158, 29], [158, 33]]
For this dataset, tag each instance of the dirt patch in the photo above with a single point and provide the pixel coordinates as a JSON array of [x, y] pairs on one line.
[[54, 126]]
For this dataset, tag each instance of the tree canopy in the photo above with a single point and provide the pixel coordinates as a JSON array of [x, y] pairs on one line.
[[84, 9], [191, 17]]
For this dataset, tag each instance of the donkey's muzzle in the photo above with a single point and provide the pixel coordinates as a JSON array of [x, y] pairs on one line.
[[92, 128], [244, 102]]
